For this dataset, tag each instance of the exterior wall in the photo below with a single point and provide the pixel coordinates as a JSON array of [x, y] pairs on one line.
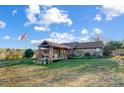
[[81, 52], [60, 53], [53, 53]]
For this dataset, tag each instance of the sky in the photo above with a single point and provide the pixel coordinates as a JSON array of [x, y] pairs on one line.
[[62, 23]]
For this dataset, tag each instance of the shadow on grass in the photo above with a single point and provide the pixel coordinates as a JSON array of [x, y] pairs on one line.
[[7, 63]]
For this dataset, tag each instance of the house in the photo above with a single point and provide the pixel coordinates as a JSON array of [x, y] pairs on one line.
[[93, 48], [55, 51]]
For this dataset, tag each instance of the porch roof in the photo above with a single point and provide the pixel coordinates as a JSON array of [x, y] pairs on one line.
[[48, 43]]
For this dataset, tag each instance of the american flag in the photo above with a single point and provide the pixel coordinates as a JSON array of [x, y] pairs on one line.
[[23, 37]]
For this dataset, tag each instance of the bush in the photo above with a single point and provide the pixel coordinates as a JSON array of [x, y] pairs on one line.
[[28, 53], [107, 51], [87, 54], [70, 56]]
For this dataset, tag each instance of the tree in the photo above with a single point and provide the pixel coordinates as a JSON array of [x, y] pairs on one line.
[[107, 51], [8, 52], [115, 44], [28, 53], [110, 46], [96, 37]]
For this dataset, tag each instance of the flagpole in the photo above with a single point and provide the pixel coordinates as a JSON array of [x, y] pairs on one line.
[[25, 44], [26, 40]]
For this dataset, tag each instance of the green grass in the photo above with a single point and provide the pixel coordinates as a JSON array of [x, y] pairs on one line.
[[91, 64], [85, 57], [88, 63], [5, 63], [72, 72]]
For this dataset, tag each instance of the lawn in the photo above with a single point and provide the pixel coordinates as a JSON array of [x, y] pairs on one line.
[[78, 72]]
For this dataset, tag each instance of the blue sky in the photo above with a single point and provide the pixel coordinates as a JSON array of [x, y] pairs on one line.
[[64, 23]]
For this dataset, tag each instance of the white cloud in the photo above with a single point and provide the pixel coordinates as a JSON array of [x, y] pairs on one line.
[[96, 35], [112, 11], [84, 31], [55, 16], [41, 28], [73, 30], [61, 37], [45, 7], [50, 16], [2, 24], [6, 37], [14, 12], [87, 36], [19, 38], [35, 42], [32, 12], [84, 39], [97, 31], [98, 17], [45, 16], [57, 38]]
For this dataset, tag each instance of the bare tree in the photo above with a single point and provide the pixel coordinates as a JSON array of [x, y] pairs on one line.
[[96, 37]]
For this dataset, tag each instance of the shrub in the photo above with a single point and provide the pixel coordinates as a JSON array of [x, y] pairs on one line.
[[107, 51], [87, 54], [70, 56], [28, 53]]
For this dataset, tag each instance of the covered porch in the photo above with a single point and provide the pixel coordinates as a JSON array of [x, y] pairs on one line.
[[52, 51]]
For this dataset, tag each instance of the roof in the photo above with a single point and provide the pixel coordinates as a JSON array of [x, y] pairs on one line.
[[86, 45], [98, 44], [72, 44], [48, 43]]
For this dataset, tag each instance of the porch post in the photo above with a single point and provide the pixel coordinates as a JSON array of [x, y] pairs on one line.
[[62, 53], [51, 53]]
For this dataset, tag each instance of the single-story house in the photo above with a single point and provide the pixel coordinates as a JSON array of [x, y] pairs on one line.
[[56, 51], [93, 48]]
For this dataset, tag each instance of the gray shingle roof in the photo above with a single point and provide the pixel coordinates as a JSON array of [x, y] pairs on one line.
[[72, 44], [86, 45]]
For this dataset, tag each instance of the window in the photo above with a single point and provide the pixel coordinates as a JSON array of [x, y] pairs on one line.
[[97, 49]]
